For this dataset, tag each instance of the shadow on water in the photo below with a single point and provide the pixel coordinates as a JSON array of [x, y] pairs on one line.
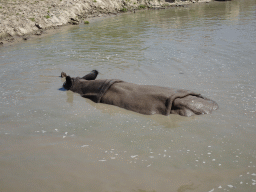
[[62, 89], [70, 95]]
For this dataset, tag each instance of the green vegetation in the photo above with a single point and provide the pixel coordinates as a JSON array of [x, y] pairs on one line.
[[32, 19], [94, 1], [123, 10], [47, 16], [86, 22], [142, 6]]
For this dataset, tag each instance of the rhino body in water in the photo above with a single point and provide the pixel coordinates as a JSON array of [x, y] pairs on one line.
[[145, 99]]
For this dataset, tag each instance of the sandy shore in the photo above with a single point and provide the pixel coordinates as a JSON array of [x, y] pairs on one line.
[[24, 19]]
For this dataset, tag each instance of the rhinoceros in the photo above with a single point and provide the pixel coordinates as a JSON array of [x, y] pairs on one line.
[[144, 99]]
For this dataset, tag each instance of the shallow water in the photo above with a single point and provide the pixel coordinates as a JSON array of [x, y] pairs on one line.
[[55, 140]]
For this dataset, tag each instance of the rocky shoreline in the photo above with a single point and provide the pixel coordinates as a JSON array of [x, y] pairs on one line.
[[24, 19]]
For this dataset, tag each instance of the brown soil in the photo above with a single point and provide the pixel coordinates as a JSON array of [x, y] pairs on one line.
[[25, 19]]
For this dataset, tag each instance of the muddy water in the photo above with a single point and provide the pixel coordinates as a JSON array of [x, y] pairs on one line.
[[54, 140]]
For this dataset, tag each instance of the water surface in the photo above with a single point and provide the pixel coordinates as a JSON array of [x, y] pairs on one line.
[[55, 140]]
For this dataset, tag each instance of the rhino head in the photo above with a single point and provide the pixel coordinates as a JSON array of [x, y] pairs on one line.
[[70, 81]]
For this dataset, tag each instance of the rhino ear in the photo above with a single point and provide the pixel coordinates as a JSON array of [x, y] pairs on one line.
[[91, 76], [63, 74], [67, 85]]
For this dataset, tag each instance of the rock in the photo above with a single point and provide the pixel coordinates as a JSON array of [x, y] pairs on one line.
[[39, 32], [38, 26], [33, 17], [25, 38], [11, 39], [74, 21]]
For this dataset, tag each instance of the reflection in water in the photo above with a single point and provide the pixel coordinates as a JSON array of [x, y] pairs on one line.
[[56, 140], [70, 97], [171, 121]]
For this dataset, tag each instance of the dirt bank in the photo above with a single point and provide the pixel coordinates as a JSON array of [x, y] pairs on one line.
[[24, 19]]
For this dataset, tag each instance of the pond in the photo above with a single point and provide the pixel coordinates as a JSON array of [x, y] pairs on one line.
[[55, 140]]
